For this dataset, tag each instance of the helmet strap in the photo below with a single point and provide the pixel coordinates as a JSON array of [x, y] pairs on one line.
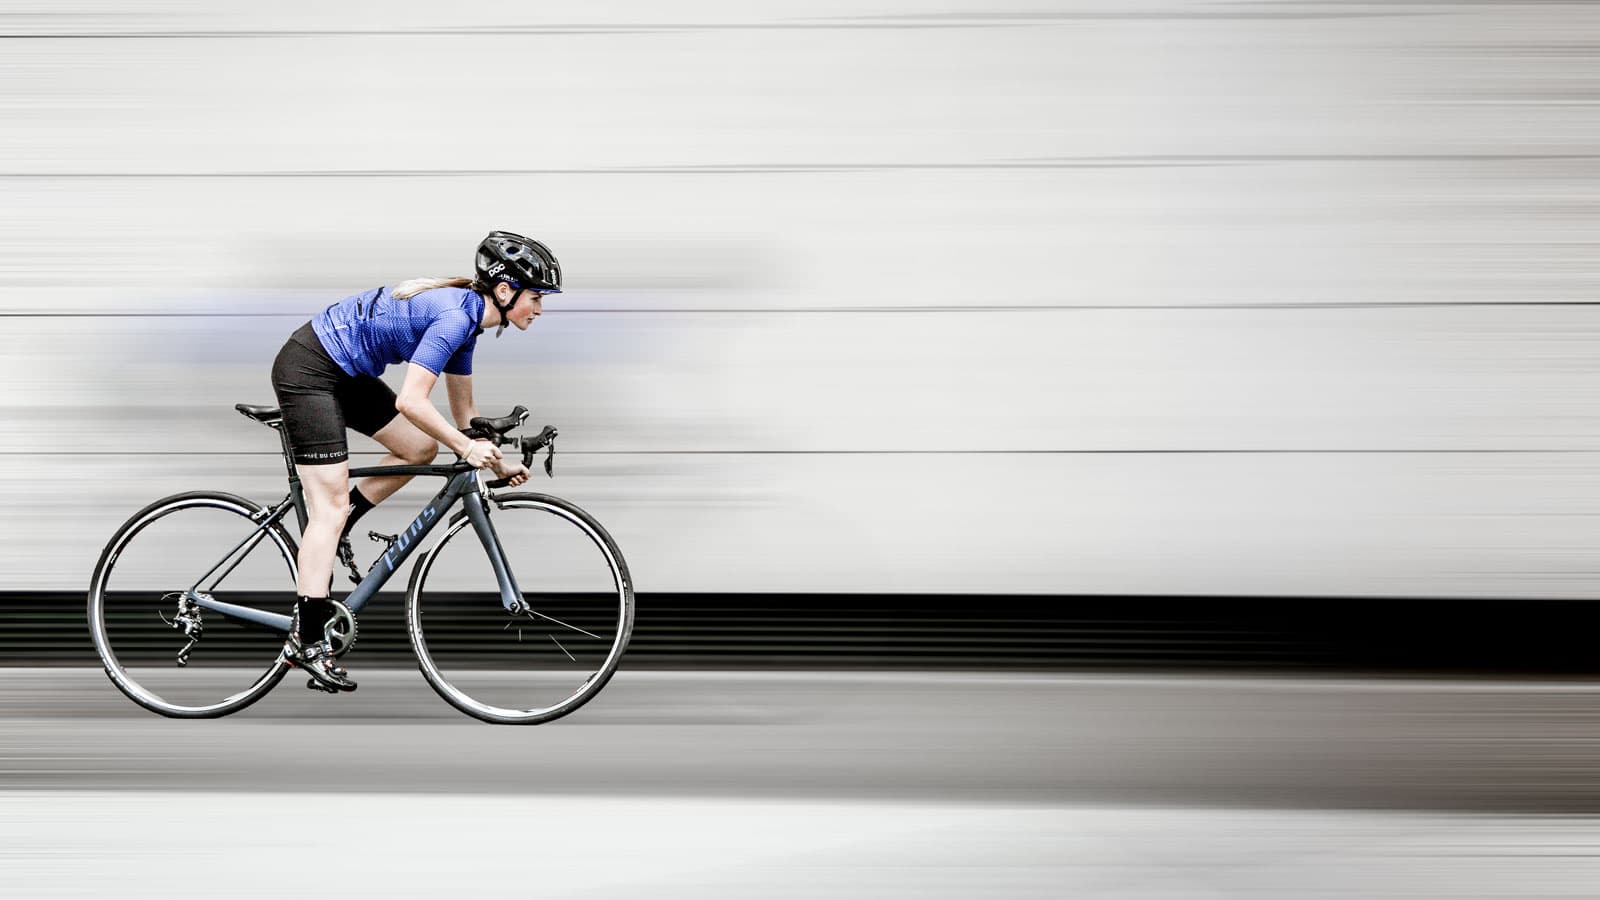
[[504, 309]]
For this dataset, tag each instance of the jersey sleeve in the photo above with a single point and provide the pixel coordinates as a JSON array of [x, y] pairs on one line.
[[449, 333], [461, 361]]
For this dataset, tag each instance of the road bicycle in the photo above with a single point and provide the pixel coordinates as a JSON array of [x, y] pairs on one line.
[[189, 602]]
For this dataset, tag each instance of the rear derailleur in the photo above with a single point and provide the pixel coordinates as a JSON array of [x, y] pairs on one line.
[[187, 620]]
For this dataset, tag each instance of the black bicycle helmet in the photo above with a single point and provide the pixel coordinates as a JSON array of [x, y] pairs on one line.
[[522, 262]]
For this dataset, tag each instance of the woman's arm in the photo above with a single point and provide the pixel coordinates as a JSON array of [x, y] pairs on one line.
[[413, 403], [461, 406]]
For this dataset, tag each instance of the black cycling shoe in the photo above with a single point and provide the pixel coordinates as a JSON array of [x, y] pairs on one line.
[[318, 662], [347, 557]]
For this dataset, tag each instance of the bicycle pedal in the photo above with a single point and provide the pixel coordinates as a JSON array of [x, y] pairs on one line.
[[347, 557], [388, 540], [316, 685]]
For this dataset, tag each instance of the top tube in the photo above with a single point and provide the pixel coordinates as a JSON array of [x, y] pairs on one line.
[[439, 471]]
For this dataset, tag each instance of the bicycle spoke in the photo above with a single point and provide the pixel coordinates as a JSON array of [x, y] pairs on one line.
[[565, 625], [563, 649]]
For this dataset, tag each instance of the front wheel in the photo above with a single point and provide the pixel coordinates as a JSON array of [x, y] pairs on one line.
[[528, 669]]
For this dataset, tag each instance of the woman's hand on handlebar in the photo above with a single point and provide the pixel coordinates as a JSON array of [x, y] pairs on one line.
[[481, 454], [515, 472]]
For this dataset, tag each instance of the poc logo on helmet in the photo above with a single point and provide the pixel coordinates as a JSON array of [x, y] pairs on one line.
[[495, 269]]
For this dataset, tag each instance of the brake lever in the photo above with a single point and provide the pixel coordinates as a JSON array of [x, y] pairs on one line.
[[530, 446], [549, 457]]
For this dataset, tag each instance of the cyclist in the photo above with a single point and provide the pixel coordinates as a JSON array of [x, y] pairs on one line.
[[326, 379]]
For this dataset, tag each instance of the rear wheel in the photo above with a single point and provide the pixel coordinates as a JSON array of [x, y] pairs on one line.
[[536, 667], [141, 604]]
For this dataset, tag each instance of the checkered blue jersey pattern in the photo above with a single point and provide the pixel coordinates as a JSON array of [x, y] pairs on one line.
[[436, 329]]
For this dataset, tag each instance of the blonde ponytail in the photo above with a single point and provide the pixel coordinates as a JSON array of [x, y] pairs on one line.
[[405, 290]]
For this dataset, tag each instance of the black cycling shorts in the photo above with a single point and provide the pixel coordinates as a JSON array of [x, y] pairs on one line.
[[319, 400]]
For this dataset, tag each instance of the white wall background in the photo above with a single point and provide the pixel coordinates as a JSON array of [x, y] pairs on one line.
[[1176, 296]]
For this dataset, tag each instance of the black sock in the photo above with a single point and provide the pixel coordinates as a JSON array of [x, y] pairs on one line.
[[311, 616], [359, 504]]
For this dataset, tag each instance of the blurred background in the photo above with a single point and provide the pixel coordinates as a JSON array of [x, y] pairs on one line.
[[1088, 334]]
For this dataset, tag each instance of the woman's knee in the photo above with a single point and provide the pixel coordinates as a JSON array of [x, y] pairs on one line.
[[408, 443], [327, 493], [328, 513], [421, 454], [333, 513]]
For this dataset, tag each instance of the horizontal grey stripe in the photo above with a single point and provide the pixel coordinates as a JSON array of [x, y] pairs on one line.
[[843, 310], [1218, 11], [1540, 48], [1390, 3], [948, 21], [1066, 163], [753, 169], [509, 31], [1338, 157]]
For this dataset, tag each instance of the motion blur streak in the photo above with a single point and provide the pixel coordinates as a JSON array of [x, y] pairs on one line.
[[427, 845], [808, 241], [806, 785], [935, 738]]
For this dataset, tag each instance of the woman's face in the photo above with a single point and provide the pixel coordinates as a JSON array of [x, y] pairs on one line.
[[528, 307]]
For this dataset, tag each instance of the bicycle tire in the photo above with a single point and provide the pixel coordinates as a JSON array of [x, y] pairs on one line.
[[617, 633], [99, 600]]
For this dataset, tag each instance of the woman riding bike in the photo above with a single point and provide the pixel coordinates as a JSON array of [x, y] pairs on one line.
[[326, 379]]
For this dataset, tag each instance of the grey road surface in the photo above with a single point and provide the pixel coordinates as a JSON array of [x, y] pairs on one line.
[[1039, 740], [812, 785]]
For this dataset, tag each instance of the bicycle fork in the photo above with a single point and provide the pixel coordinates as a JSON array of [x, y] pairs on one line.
[[477, 508]]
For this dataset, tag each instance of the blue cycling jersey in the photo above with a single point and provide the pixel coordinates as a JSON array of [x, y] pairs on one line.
[[435, 329]]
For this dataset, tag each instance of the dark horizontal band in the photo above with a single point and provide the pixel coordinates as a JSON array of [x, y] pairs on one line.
[[440, 471]]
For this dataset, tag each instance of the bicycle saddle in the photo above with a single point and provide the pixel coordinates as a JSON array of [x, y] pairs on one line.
[[266, 415]]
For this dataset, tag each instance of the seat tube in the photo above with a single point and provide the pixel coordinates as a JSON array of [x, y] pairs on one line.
[[477, 514], [296, 493]]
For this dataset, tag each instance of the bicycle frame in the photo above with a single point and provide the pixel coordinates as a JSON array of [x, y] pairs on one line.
[[463, 484]]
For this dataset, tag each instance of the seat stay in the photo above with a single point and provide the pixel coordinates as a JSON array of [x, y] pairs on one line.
[[270, 517]]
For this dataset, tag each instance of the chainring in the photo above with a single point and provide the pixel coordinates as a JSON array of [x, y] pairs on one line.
[[341, 630]]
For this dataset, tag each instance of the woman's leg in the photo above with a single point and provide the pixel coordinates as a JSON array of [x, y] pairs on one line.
[[327, 492], [408, 445], [306, 381]]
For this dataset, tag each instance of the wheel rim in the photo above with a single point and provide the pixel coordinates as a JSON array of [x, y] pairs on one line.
[[127, 601], [476, 659]]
